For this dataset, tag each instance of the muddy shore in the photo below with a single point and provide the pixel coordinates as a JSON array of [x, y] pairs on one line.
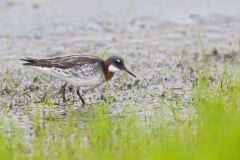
[[159, 40]]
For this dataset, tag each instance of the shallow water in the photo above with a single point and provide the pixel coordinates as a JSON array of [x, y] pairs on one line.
[[158, 39]]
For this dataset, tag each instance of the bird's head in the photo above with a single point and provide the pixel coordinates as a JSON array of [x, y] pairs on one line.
[[116, 64]]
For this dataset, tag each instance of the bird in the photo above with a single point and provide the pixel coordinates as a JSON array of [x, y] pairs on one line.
[[79, 70]]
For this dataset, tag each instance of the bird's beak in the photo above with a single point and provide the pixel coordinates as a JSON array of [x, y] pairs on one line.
[[125, 69]]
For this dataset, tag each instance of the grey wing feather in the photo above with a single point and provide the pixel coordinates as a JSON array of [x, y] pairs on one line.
[[62, 62], [74, 60]]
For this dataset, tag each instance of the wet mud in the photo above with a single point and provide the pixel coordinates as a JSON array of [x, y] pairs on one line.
[[159, 40]]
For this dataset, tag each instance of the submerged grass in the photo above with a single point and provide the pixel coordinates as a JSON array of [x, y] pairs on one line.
[[210, 131]]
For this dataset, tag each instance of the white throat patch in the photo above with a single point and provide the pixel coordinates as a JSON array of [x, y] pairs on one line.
[[112, 68]]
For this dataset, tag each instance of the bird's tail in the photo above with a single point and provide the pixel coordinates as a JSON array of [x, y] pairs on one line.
[[30, 62]]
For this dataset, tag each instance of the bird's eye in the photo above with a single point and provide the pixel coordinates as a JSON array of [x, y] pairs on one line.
[[118, 61]]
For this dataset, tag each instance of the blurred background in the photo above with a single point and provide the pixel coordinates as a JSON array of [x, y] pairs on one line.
[[48, 27]]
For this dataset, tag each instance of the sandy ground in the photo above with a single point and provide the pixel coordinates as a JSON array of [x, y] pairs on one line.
[[157, 38]]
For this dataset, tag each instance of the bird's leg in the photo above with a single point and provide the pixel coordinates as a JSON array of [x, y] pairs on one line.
[[63, 91], [78, 93]]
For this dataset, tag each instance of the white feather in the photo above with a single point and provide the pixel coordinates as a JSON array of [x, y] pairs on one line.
[[112, 68]]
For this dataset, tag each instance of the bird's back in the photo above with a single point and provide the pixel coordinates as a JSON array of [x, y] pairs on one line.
[[78, 70]]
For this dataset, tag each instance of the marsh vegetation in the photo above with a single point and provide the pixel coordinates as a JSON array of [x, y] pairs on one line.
[[185, 106]]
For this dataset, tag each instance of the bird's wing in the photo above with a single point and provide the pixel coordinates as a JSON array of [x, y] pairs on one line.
[[77, 70], [62, 62]]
